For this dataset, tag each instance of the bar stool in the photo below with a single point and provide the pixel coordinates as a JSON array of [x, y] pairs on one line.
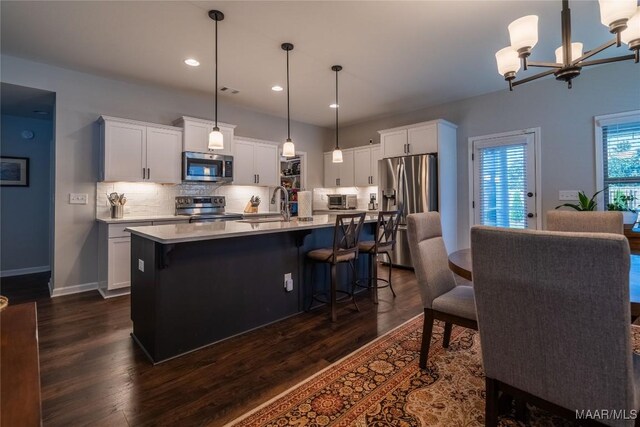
[[346, 235], [384, 243]]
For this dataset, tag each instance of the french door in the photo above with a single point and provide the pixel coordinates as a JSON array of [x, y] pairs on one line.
[[504, 181]]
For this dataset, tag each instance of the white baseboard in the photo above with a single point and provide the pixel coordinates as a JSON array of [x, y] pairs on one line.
[[23, 271], [114, 293], [68, 290]]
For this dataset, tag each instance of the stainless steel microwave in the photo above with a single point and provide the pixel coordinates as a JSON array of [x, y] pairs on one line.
[[342, 201], [205, 167]]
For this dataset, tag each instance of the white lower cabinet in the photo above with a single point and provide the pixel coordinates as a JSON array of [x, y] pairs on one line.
[[114, 256]]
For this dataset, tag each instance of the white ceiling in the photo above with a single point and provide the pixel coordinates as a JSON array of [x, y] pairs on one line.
[[397, 56]]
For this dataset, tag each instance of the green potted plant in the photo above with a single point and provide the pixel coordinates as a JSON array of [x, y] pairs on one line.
[[584, 202], [621, 202]]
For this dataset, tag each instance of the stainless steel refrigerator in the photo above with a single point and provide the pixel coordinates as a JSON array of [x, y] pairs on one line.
[[408, 184]]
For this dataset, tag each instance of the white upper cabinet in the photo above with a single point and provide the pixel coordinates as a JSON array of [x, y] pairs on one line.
[[265, 164], [420, 138], [243, 173], [163, 155], [339, 174], [255, 163], [365, 165], [331, 171], [394, 143], [139, 152], [196, 135]]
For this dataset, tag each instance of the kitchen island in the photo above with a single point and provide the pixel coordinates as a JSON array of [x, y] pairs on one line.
[[195, 284]]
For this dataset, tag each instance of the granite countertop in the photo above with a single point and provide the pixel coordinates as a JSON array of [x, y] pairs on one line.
[[181, 232], [148, 218], [144, 218], [340, 211]]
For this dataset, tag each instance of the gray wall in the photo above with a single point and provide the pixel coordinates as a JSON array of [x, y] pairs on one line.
[[564, 116], [24, 211], [80, 99]]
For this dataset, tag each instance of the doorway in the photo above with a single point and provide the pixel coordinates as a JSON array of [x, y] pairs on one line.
[[505, 180], [26, 191]]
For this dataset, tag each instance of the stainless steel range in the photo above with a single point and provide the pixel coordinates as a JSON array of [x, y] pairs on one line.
[[204, 208]]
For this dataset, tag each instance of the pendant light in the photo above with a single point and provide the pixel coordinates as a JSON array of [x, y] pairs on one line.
[[337, 152], [216, 140], [288, 149]]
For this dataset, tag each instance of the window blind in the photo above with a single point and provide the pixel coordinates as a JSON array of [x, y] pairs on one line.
[[621, 161], [503, 185]]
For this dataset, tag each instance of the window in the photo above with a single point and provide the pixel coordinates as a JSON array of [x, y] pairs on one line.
[[618, 157], [504, 180]]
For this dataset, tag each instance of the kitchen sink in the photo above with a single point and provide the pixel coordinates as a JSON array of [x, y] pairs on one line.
[[260, 220]]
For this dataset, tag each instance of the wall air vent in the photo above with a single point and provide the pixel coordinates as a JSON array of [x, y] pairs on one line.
[[229, 90]]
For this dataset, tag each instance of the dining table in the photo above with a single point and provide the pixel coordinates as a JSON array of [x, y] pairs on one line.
[[460, 262]]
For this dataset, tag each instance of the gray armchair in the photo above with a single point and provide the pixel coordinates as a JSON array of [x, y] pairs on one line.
[[586, 222], [554, 319], [442, 298]]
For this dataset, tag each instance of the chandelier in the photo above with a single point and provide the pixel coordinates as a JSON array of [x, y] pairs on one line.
[[622, 17]]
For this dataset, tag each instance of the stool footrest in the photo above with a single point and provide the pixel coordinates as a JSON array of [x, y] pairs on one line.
[[369, 283], [347, 297]]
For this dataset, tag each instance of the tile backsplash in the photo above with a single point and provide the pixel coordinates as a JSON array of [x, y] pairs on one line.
[[148, 199]]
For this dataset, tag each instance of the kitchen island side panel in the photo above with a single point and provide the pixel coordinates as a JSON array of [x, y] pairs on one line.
[[210, 290]]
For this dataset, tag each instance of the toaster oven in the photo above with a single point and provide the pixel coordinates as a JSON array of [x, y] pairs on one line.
[[342, 201]]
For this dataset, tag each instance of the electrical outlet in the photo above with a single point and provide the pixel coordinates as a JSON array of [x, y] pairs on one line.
[[568, 195], [78, 198], [141, 265], [288, 282]]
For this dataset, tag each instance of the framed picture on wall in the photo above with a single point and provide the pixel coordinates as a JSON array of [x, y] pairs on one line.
[[14, 171]]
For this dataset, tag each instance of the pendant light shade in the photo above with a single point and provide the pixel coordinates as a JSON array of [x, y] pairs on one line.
[[631, 36], [337, 152], [576, 52], [216, 139], [523, 33], [613, 11], [288, 149]]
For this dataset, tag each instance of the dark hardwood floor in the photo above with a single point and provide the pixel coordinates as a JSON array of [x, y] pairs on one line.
[[92, 373]]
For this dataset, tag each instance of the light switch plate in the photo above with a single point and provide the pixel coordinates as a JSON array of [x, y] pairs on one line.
[[568, 195], [78, 198], [141, 265]]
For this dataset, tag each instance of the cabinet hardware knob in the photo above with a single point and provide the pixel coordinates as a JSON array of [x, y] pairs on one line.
[[529, 194], [530, 215]]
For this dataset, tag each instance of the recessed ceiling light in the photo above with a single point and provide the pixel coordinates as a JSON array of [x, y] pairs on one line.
[[333, 106], [40, 112], [277, 88], [192, 62]]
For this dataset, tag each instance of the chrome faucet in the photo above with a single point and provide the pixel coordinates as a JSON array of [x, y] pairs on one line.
[[284, 207]]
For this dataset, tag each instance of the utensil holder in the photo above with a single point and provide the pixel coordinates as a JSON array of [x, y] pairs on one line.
[[117, 211]]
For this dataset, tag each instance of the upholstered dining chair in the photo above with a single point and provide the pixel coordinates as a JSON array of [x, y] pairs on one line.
[[586, 222], [443, 299], [346, 236], [554, 320]]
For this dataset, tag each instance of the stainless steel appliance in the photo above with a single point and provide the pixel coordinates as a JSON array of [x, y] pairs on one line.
[[204, 208], [342, 201], [408, 184], [206, 167]]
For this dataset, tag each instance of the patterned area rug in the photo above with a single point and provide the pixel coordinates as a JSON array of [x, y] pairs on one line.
[[382, 385]]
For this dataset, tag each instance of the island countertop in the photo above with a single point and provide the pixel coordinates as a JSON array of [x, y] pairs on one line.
[[180, 233]]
